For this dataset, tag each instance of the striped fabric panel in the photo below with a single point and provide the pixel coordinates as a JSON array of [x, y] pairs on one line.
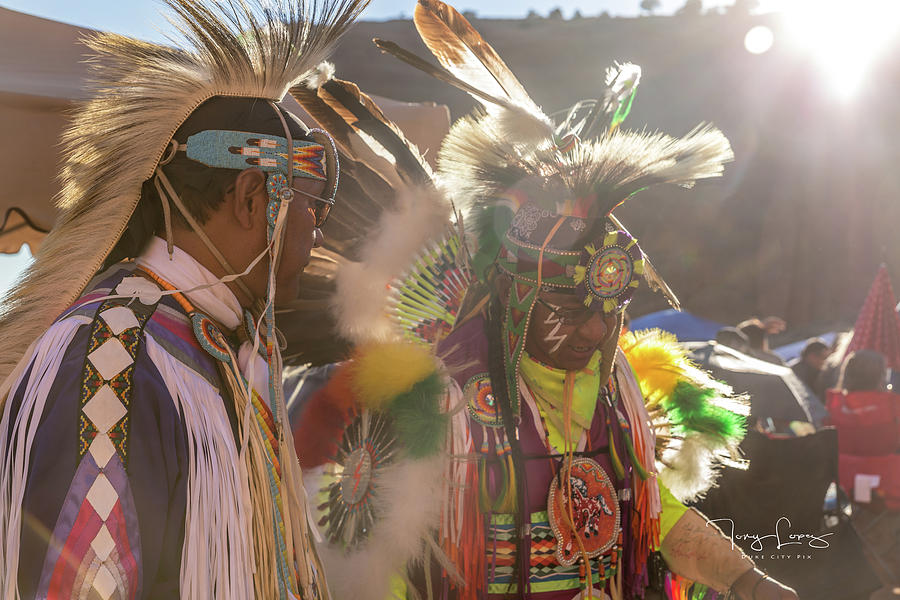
[[546, 574], [170, 328], [95, 549]]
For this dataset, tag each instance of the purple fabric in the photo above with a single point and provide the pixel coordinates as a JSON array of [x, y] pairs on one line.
[[81, 483], [156, 470], [468, 346], [84, 477]]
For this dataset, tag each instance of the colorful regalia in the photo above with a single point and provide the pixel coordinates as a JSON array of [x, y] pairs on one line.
[[546, 484], [142, 446]]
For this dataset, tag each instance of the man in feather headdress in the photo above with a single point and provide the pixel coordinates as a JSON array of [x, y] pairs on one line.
[[551, 486], [142, 452]]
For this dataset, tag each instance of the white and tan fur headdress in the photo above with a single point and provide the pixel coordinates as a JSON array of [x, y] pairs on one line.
[[510, 140], [143, 93]]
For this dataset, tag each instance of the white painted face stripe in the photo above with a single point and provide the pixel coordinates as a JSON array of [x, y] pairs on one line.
[[553, 319]]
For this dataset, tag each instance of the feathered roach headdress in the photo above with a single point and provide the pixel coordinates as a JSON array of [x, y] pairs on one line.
[[143, 93], [538, 198]]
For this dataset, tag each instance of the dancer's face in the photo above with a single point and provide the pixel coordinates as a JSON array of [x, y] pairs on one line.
[[300, 237], [564, 334]]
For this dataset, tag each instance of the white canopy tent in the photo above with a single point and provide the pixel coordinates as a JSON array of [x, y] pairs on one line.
[[42, 71]]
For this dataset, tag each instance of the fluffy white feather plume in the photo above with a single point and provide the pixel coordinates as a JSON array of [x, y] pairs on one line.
[[360, 301]]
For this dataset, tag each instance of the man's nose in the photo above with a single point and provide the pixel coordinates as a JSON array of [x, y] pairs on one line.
[[594, 329]]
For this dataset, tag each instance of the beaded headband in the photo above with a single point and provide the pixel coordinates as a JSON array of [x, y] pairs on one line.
[[241, 150], [600, 263]]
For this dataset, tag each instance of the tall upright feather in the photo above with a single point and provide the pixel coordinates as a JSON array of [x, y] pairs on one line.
[[441, 74], [462, 51]]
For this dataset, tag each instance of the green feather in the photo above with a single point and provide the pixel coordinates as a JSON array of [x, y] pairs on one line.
[[491, 224], [420, 425], [691, 408], [622, 110]]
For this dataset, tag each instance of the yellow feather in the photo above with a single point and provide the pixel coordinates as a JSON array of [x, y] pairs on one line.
[[659, 363], [381, 372]]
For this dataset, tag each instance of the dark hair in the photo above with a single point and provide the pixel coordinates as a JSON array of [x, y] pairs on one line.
[[500, 390], [755, 332], [863, 370], [814, 346], [200, 188], [733, 338]]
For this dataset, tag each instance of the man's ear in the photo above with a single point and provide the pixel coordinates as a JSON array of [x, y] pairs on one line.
[[248, 198]]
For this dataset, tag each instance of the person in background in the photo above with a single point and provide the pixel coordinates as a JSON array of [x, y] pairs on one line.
[[758, 332], [863, 370], [811, 363], [864, 412], [734, 338]]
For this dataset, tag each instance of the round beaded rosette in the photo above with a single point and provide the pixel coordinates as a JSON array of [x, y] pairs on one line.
[[610, 273]]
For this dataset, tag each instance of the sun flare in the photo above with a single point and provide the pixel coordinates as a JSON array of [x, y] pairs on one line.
[[844, 38]]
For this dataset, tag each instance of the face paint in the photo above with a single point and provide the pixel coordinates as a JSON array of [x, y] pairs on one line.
[[551, 337]]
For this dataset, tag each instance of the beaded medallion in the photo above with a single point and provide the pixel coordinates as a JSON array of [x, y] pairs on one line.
[[610, 273], [594, 512], [209, 336], [480, 401]]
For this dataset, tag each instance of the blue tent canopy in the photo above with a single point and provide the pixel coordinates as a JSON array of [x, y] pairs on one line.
[[685, 326], [791, 351]]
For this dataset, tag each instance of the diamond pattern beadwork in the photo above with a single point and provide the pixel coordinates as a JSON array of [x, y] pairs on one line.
[[104, 583], [106, 383], [102, 450], [119, 318], [102, 496], [103, 543], [104, 409], [110, 358]]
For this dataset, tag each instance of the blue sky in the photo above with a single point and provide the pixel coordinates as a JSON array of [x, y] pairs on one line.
[[142, 18]]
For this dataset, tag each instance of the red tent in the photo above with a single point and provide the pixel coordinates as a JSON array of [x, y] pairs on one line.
[[878, 326]]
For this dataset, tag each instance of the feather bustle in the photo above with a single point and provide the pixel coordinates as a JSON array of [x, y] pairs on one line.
[[368, 117]]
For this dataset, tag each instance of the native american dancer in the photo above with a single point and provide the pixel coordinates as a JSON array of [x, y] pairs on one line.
[[492, 436], [142, 440]]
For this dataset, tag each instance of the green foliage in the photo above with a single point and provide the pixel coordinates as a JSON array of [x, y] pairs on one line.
[[650, 5], [691, 8]]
